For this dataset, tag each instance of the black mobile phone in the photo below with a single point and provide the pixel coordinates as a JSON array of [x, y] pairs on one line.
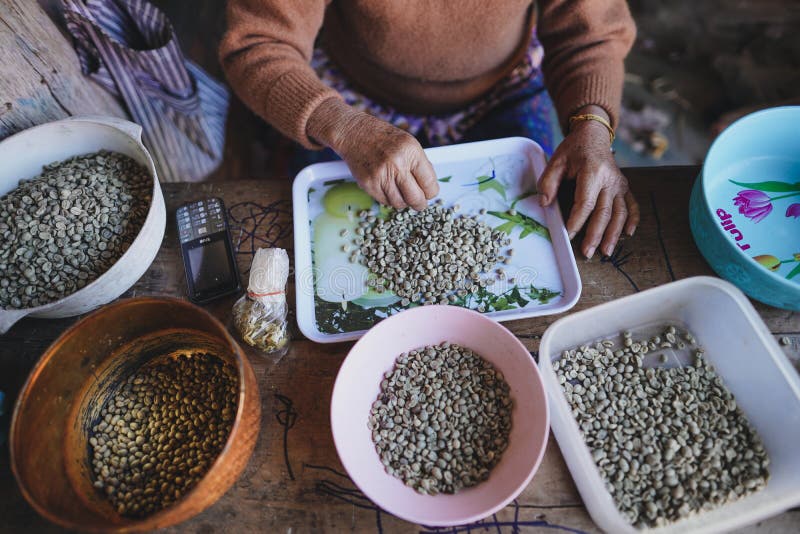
[[207, 251]]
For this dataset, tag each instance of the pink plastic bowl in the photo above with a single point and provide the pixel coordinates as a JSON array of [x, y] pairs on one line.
[[358, 384]]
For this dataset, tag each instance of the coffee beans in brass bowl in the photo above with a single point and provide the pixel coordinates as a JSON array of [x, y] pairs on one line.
[[138, 417]]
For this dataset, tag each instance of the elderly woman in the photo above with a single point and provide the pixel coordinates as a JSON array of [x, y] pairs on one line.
[[376, 80]]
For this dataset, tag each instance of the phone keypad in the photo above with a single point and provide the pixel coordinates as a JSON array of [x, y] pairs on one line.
[[200, 218]]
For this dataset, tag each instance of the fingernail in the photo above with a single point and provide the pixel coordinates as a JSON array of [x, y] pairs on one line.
[[542, 200], [571, 235], [633, 231], [590, 253]]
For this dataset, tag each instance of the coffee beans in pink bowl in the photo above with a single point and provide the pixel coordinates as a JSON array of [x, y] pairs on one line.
[[443, 472]]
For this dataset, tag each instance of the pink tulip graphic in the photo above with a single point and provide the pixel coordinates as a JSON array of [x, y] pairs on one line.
[[753, 204], [793, 210]]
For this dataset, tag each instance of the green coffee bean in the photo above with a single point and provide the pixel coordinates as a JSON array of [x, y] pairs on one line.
[[671, 434], [418, 399], [195, 392], [427, 256], [66, 226]]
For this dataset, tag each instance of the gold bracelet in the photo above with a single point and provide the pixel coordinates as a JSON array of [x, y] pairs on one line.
[[593, 117]]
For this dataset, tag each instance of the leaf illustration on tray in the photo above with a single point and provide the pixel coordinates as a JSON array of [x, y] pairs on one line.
[[340, 317], [446, 179], [334, 318], [543, 295], [514, 298], [490, 182], [507, 227], [529, 225], [771, 186], [502, 304]]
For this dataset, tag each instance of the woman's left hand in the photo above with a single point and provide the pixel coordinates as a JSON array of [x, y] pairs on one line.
[[602, 195]]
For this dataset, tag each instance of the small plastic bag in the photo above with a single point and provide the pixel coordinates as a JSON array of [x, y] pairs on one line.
[[260, 315]]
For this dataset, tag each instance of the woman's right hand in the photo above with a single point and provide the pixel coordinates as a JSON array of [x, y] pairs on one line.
[[387, 162]]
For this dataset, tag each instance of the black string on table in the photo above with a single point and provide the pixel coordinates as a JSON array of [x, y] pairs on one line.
[[287, 417], [617, 260], [255, 225], [661, 236]]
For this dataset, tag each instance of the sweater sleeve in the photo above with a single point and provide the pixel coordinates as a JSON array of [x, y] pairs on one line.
[[266, 52], [585, 44]]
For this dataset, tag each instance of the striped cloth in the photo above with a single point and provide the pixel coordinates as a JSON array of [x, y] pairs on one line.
[[130, 49]]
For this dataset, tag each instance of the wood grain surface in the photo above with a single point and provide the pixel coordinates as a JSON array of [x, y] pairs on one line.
[[40, 77], [294, 481]]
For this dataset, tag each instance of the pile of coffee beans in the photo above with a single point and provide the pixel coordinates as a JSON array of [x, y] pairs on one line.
[[158, 435], [669, 441], [442, 419], [432, 256], [65, 227]]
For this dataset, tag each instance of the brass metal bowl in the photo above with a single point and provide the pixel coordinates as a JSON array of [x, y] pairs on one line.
[[68, 386]]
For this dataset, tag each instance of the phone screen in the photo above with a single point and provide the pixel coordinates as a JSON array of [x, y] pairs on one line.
[[209, 265], [210, 269]]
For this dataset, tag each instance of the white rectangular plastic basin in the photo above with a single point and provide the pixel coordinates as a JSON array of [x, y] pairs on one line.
[[743, 352]]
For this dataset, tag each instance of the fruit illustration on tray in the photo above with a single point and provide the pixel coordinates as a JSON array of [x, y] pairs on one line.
[[337, 279]]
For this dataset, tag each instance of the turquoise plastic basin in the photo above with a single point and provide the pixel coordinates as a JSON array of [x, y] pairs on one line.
[[745, 206]]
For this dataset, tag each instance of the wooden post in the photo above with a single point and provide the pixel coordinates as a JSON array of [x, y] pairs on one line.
[[40, 76]]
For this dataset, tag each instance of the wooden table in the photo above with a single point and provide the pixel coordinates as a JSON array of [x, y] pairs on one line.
[[294, 481]]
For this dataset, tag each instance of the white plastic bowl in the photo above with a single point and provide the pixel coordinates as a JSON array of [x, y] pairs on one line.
[[743, 352], [23, 156]]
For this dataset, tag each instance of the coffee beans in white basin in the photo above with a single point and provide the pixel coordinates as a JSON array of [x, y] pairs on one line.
[[669, 442], [442, 419]]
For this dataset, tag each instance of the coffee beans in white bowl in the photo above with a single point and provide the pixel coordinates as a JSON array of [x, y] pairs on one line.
[[67, 255], [487, 417], [65, 227], [670, 441], [442, 419]]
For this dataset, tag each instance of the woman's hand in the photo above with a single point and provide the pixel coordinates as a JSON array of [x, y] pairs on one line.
[[388, 163], [602, 195]]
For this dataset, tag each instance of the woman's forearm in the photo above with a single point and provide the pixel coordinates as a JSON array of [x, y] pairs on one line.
[[329, 122], [266, 52], [585, 44]]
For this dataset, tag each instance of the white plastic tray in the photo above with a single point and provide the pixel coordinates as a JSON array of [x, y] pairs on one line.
[[743, 352], [332, 299]]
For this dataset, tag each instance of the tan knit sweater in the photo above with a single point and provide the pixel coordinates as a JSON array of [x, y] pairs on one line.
[[421, 56]]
